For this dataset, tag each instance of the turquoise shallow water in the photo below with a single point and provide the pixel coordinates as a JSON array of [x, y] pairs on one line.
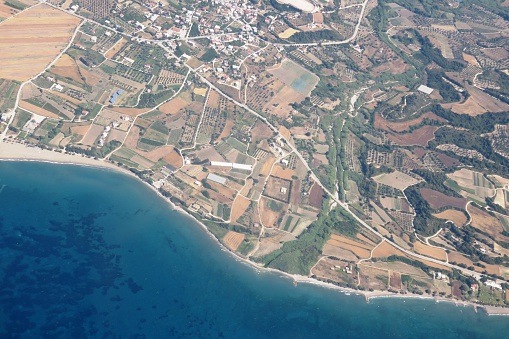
[[92, 253]]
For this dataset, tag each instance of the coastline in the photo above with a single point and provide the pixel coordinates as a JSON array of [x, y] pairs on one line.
[[13, 151]]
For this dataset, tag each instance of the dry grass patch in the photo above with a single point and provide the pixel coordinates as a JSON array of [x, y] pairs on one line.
[[359, 249], [80, 130], [32, 39], [114, 50], [267, 166], [200, 91], [461, 259], [268, 216], [173, 158], [37, 110], [283, 173], [131, 111], [487, 223], [429, 251], [385, 250], [233, 240], [457, 217], [399, 127], [479, 102], [287, 33], [470, 59], [285, 132], [420, 136], [173, 106], [67, 68], [396, 179], [240, 205]]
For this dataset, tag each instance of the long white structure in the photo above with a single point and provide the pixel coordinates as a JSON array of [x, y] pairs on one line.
[[231, 165]]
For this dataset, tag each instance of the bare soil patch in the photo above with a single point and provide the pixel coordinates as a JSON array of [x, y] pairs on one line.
[[225, 133], [269, 217], [395, 280]]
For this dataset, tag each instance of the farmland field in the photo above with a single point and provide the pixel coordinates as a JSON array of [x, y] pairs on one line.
[[173, 106], [420, 136], [429, 251], [240, 205], [32, 39], [399, 127], [478, 103], [359, 249], [316, 196], [386, 250], [267, 166], [283, 173], [117, 47], [438, 200], [457, 217], [67, 68], [296, 76], [37, 110], [233, 239], [487, 223], [396, 179]]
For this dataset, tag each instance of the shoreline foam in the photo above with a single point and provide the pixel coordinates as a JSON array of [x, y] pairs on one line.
[[12, 151]]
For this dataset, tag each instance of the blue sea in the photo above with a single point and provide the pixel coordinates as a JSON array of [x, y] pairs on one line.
[[91, 253]]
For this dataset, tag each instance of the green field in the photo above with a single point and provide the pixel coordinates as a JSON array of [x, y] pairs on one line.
[[238, 145], [174, 137], [22, 118], [275, 206], [288, 222]]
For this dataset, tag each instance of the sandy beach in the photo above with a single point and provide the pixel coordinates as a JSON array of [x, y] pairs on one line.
[[12, 151]]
